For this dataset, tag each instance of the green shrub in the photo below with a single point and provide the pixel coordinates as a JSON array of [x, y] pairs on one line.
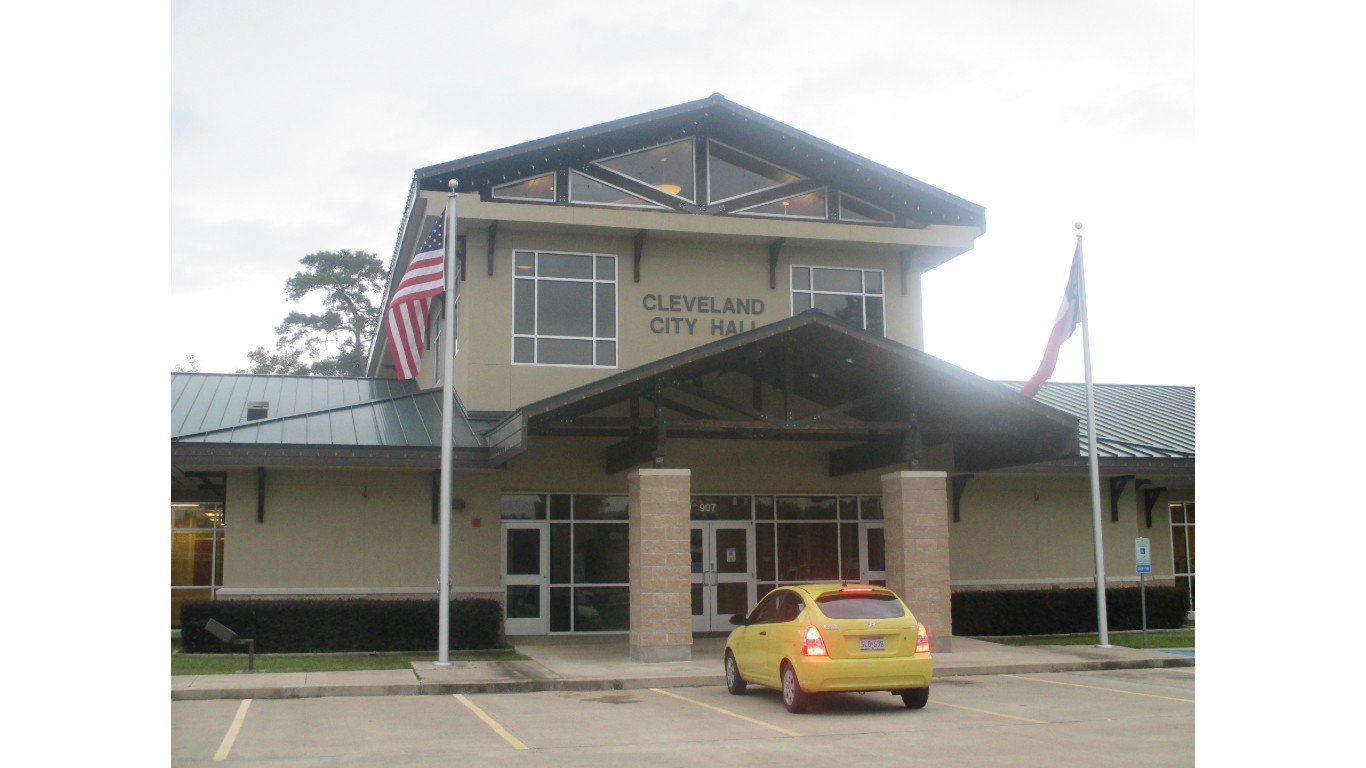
[[340, 626], [1064, 611]]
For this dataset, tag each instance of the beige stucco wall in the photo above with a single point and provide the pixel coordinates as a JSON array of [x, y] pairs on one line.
[[1025, 531], [372, 529], [356, 532], [369, 532], [730, 263]]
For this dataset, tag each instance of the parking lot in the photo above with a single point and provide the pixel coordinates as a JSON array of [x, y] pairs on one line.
[[1121, 717]]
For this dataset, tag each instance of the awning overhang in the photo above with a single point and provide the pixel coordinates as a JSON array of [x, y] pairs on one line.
[[879, 403]]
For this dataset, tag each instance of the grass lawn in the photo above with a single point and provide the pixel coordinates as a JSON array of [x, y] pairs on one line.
[[1157, 638], [216, 664]]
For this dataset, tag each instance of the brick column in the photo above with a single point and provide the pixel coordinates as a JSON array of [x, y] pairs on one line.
[[661, 579], [915, 508]]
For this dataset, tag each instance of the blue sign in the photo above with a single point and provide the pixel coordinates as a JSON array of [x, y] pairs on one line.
[[1143, 555]]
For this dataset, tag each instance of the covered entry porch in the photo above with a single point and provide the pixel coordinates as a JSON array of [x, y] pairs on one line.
[[908, 427]]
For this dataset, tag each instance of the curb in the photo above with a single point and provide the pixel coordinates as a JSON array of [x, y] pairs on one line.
[[635, 683]]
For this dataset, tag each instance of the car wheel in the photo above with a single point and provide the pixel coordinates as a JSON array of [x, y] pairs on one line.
[[734, 683], [794, 698], [916, 698]]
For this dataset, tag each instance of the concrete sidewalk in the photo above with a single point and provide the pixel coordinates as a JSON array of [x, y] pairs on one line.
[[604, 663]]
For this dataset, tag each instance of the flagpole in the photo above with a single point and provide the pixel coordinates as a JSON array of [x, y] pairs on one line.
[[1093, 451], [446, 363]]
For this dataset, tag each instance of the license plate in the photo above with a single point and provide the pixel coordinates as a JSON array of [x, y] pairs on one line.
[[872, 643]]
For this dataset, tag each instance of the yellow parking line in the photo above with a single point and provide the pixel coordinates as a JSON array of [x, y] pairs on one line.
[[231, 735], [939, 703], [490, 722], [1101, 688], [736, 715]]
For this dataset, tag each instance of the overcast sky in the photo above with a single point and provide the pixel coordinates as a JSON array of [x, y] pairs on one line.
[[296, 128]]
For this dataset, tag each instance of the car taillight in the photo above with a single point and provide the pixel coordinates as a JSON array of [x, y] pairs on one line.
[[813, 644], [922, 638]]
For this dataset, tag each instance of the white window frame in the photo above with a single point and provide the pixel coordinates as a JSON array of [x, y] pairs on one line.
[[535, 336], [824, 215], [839, 212], [863, 294], [554, 189], [648, 205], [1188, 528], [775, 185], [599, 163]]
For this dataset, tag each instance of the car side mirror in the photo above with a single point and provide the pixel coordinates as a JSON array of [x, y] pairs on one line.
[[739, 620]]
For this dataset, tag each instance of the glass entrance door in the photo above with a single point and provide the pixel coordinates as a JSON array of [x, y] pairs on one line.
[[872, 554], [526, 578], [722, 574]]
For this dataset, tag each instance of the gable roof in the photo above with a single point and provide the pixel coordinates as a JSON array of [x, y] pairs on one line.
[[721, 119], [808, 377]]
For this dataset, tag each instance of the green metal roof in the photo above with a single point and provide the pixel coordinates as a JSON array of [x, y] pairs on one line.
[[311, 411], [1133, 421]]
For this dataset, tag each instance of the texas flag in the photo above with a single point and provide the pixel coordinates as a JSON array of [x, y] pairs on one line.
[[1069, 314]]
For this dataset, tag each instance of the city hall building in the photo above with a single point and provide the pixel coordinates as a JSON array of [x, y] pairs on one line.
[[688, 367]]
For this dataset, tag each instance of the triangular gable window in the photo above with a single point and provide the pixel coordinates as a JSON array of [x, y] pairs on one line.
[[583, 189], [732, 173], [854, 209], [808, 205], [535, 188], [668, 167]]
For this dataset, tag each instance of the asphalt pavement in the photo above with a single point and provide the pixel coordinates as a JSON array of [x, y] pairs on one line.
[[604, 663]]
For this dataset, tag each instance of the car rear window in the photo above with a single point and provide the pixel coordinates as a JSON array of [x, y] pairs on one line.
[[874, 606]]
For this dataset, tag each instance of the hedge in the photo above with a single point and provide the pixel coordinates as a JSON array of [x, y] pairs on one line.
[[336, 626], [1064, 611]]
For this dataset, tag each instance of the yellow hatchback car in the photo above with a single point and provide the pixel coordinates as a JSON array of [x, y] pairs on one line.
[[813, 638]]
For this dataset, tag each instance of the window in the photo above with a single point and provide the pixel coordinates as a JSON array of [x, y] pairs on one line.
[[564, 308], [802, 539], [1183, 547], [852, 296], [668, 167], [196, 553], [808, 205], [536, 188], [851, 606], [583, 189], [854, 209], [732, 173], [589, 573]]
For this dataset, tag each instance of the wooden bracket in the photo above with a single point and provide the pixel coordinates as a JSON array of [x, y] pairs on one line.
[[1117, 484], [640, 249], [960, 484], [493, 240], [1150, 497], [775, 249], [260, 494]]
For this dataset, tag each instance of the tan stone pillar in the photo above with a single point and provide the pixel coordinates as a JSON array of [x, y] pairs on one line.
[[660, 568], [915, 509]]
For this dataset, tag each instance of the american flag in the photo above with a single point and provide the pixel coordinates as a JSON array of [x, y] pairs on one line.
[[409, 306]]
